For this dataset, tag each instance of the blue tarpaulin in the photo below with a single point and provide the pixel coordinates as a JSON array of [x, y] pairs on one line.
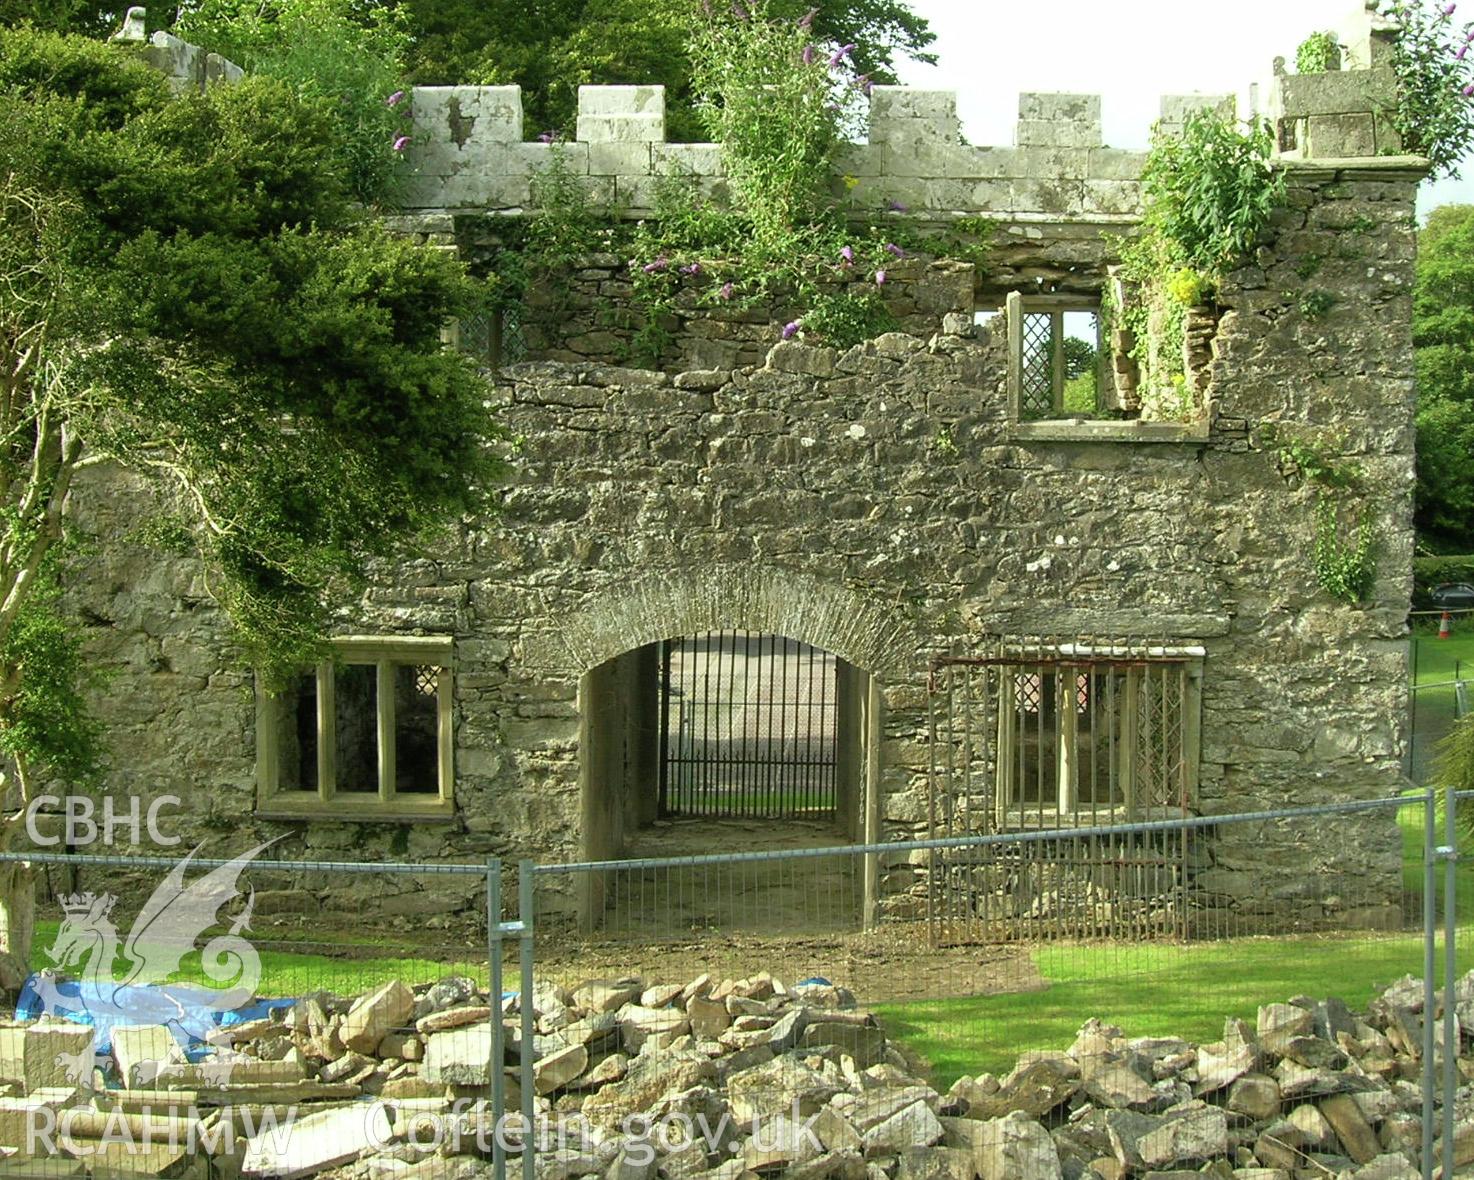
[[185, 1010]]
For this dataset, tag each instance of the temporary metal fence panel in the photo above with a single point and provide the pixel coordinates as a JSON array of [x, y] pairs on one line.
[[1438, 692], [244, 1012], [1275, 900], [1278, 904], [749, 727]]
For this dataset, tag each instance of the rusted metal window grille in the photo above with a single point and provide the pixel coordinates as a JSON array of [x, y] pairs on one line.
[[1063, 736], [748, 727]]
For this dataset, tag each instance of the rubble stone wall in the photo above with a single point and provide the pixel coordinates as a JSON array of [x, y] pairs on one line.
[[876, 503]]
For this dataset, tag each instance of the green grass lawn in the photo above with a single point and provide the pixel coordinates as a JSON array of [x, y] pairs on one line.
[[323, 964], [1437, 660], [1158, 990]]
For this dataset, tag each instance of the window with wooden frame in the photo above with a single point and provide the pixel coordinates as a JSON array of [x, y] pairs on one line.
[[366, 735], [1088, 735], [1055, 367]]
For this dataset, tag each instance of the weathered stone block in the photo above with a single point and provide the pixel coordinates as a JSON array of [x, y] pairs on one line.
[[608, 114], [1041, 133], [1340, 136], [471, 118], [1175, 108]]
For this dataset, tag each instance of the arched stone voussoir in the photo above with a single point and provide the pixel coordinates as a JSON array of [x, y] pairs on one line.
[[858, 628]]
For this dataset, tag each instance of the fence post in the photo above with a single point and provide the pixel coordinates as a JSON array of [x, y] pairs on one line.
[[498, 1029], [1450, 854], [1430, 935], [524, 913]]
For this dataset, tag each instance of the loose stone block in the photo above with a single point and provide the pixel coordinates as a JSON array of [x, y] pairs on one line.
[[375, 1015], [317, 1142], [460, 1057], [141, 1050]]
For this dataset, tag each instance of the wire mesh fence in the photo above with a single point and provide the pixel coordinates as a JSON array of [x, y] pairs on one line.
[[207, 1017], [982, 976]]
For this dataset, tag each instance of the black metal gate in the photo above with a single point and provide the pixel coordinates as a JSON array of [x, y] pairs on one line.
[[748, 727]]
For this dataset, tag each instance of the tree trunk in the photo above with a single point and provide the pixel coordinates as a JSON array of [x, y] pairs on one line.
[[17, 878], [17, 910]]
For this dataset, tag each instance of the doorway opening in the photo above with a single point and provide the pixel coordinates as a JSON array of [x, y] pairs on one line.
[[726, 741]]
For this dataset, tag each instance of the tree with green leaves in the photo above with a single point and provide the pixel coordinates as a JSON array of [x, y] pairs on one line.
[[188, 289], [1443, 337], [551, 47]]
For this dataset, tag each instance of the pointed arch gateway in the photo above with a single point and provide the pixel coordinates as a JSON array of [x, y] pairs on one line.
[[737, 704]]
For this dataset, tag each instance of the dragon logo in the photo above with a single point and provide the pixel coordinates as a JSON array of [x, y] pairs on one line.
[[167, 929]]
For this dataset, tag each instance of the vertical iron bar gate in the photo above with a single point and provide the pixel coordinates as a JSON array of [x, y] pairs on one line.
[[749, 727]]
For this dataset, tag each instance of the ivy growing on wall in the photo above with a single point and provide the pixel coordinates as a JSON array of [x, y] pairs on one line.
[[1344, 549]]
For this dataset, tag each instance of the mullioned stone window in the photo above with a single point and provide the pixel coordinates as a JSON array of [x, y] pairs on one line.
[[365, 735]]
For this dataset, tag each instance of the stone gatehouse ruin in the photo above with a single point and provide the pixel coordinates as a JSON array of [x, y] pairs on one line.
[[1135, 589]]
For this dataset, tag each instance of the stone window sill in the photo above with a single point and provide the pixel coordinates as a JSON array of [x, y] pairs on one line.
[[349, 810], [1096, 430]]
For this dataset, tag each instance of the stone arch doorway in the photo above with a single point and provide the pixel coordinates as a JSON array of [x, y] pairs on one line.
[[727, 741], [743, 771]]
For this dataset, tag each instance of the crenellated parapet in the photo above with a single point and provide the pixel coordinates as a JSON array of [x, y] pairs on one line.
[[469, 151], [469, 148]]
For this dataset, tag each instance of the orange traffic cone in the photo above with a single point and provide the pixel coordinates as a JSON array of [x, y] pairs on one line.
[[1443, 625]]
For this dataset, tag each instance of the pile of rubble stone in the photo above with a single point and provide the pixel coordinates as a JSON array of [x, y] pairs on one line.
[[720, 1079]]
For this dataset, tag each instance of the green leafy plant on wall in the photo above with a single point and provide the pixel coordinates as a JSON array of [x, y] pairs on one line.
[[1208, 192], [780, 106], [1319, 53], [1344, 548], [1433, 61], [344, 56]]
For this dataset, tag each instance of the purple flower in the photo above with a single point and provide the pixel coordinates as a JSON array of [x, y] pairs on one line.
[[864, 83], [401, 143], [394, 99], [1469, 90], [1462, 53], [807, 20], [808, 55], [846, 256], [693, 269], [725, 292], [840, 54], [892, 248], [790, 329], [660, 265], [897, 207], [880, 278], [1448, 9], [548, 137]]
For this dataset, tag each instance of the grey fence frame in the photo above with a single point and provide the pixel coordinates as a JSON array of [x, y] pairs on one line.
[[522, 929]]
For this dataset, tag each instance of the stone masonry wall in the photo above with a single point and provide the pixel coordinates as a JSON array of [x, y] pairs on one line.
[[812, 496]]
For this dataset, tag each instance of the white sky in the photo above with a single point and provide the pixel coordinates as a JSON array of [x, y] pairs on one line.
[[1129, 51]]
